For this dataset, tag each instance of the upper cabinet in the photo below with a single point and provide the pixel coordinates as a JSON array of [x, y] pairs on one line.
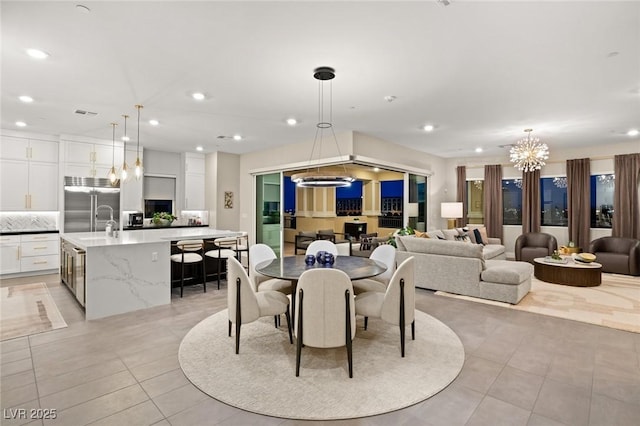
[[29, 174], [91, 159], [194, 181]]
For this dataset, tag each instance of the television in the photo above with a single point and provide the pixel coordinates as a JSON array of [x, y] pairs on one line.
[[157, 206]]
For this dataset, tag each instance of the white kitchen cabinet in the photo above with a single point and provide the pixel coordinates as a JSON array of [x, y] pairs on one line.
[[194, 163], [14, 148], [28, 184], [86, 159], [9, 254], [194, 192]]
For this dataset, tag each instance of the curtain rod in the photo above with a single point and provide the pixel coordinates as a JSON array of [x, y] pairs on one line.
[[548, 162]]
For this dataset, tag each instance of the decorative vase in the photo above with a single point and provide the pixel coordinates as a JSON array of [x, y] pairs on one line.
[[329, 259], [320, 257], [310, 260]]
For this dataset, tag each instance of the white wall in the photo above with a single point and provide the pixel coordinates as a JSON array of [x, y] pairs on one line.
[[228, 172], [602, 162]]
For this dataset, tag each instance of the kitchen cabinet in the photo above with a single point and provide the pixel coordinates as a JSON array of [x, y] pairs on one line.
[[9, 254], [29, 174], [29, 253], [194, 181], [86, 159]]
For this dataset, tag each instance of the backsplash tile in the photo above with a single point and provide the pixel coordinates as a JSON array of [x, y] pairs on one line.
[[29, 221]]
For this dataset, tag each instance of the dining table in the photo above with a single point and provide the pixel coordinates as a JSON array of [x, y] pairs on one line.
[[291, 267]]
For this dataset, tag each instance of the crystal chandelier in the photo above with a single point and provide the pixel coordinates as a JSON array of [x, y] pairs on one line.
[[606, 179], [478, 184], [529, 154], [330, 178], [560, 182], [518, 183]]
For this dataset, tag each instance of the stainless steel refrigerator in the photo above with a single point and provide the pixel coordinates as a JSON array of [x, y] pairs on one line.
[[89, 203]]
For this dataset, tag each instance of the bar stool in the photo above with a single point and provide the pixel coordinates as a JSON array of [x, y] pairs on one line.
[[220, 252], [191, 252]]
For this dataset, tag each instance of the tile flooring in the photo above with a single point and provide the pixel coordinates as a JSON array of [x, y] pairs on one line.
[[520, 369]]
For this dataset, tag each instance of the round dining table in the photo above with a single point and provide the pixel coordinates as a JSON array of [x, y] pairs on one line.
[[291, 267]]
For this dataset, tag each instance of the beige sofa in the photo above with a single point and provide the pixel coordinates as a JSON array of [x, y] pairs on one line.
[[466, 268]]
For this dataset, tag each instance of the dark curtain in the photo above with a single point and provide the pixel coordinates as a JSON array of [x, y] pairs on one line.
[[578, 185], [626, 213], [461, 171], [493, 200], [531, 202]]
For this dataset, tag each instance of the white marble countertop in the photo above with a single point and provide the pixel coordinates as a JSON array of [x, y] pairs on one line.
[[86, 240]]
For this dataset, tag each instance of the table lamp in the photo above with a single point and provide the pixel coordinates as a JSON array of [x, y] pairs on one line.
[[451, 212]]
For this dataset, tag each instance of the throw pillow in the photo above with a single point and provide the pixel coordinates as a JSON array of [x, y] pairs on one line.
[[421, 234], [478, 236], [464, 238], [483, 233], [450, 234], [436, 234]]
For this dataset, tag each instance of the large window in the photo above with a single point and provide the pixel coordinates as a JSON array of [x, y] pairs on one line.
[[553, 200], [602, 200], [349, 200], [391, 202], [512, 201], [475, 201]]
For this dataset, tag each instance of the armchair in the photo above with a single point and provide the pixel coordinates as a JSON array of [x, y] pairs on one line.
[[617, 254], [535, 244], [303, 239]]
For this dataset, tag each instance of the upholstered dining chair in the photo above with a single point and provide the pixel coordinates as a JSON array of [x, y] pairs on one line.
[[397, 305], [246, 306], [190, 252], [325, 312], [219, 251], [386, 254], [259, 253], [322, 245]]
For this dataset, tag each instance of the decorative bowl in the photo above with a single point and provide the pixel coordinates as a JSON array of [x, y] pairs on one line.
[[586, 257], [320, 257], [310, 260]]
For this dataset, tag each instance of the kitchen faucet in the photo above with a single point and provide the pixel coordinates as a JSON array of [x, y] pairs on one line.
[[111, 224]]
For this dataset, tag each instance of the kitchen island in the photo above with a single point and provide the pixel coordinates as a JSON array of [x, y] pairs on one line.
[[130, 272]]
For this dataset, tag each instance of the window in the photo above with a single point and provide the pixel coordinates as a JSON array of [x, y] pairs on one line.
[[475, 201], [602, 200], [349, 199], [512, 201], [553, 201], [391, 201]]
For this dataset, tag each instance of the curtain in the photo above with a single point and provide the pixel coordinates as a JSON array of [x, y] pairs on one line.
[[578, 185], [531, 202], [626, 213], [493, 200], [461, 172]]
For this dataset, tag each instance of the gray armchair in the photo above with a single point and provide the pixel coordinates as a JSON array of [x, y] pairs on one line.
[[535, 244], [617, 254]]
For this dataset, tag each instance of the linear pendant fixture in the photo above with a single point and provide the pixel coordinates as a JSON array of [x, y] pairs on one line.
[[138, 165]]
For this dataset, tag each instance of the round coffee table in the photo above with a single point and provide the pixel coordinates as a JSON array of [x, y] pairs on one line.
[[573, 273]]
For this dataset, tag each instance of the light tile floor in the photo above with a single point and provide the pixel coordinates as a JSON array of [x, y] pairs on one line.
[[520, 369]]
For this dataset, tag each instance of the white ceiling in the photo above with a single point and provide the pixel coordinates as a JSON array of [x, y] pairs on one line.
[[481, 72]]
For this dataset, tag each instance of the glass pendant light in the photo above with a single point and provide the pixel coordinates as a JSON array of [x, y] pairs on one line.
[[138, 165], [124, 171], [112, 173]]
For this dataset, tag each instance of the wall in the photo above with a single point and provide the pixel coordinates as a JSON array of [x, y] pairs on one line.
[[602, 162], [222, 175]]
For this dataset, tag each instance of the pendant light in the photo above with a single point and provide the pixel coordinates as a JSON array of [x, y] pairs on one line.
[[112, 173], [325, 177], [124, 172], [138, 165]]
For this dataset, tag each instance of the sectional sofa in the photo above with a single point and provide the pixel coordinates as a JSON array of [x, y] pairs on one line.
[[465, 268]]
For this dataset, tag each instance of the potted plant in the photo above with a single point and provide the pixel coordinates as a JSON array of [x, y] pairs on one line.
[[163, 219], [407, 230]]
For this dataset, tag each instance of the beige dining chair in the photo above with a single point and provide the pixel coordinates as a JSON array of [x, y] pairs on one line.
[[190, 252], [259, 253], [246, 306], [385, 254], [397, 305], [325, 312], [322, 245]]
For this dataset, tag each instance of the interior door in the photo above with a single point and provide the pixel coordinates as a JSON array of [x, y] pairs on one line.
[[268, 211]]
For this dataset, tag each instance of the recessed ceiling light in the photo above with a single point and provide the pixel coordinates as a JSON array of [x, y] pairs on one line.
[[199, 148], [237, 137], [428, 128], [376, 169], [21, 124], [26, 99], [478, 149], [389, 98], [292, 121], [37, 54], [198, 96], [154, 122], [633, 132]]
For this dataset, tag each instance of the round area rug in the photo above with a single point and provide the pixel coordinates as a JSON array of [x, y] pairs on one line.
[[262, 379]]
